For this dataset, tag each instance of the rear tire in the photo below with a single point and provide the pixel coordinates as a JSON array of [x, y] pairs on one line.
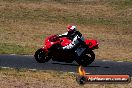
[[40, 56], [87, 58]]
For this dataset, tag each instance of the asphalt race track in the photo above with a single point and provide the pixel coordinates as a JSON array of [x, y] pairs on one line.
[[97, 67]]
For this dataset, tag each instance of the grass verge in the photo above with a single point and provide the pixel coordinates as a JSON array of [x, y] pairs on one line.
[[15, 49], [48, 79]]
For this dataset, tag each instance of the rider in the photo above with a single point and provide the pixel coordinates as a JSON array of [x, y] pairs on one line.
[[74, 35]]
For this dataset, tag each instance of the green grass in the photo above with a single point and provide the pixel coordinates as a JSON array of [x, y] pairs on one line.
[[24, 1], [120, 2], [16, 49]]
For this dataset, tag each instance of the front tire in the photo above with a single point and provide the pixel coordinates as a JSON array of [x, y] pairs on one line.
[[86, 58], [41, 56]]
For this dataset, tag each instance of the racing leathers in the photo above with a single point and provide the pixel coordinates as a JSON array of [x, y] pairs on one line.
[[76, 38]]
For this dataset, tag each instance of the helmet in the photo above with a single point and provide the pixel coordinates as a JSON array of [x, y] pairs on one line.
[[71, 28]]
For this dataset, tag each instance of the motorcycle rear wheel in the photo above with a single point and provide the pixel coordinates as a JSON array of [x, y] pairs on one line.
[[40, 56], [87, 58]]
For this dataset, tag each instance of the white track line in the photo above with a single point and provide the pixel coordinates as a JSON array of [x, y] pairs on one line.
[[33, 69], [5, 67], [13, 54], [105, 60], [120, 61], [114, 61]]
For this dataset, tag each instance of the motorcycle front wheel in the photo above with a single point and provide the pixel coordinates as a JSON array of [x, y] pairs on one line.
[[40, 56], [87, 58]]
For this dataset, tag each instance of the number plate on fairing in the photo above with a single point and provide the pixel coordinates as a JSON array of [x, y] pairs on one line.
[[79, 51]]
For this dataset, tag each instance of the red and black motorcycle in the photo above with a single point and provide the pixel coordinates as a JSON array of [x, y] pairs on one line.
[[83, 53]]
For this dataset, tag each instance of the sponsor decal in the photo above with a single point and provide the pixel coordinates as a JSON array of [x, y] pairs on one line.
[[83, 78]]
